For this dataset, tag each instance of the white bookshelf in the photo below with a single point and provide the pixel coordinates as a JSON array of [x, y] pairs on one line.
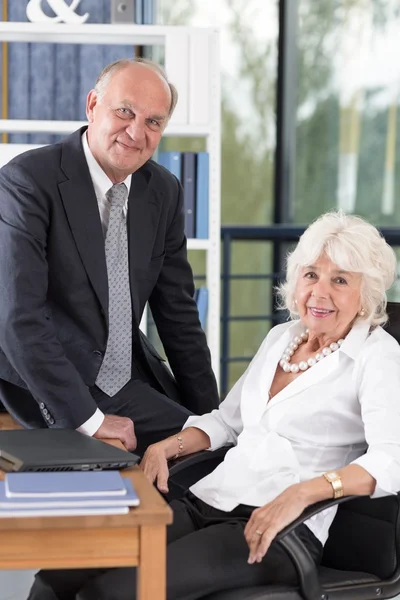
[[192, 64], [60, 127]]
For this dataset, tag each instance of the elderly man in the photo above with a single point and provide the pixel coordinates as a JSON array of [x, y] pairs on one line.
[[90, 230]]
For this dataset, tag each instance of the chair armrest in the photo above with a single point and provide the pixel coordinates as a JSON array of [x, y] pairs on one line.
[[196, 458], [307, 571], [312, 510], [305, 566]]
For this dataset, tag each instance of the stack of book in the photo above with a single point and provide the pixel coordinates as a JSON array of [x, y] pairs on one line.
[[73, 493], [144, 12], [192, 170]]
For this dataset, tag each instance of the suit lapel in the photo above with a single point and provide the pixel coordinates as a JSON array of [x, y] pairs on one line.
[[80, 204], [143, 216]]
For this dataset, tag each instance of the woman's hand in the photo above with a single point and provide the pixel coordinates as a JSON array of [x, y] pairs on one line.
[[155, 464], [155, 460], [267, 521]]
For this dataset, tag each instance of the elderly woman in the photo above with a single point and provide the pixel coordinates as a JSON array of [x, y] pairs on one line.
[[316, 415]]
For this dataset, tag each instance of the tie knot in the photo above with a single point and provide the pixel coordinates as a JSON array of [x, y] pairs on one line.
[[117, 194]]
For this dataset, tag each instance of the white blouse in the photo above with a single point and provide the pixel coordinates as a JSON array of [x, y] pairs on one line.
[[345, 409]]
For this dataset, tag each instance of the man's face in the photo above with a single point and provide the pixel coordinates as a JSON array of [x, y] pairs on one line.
[[126, 123]]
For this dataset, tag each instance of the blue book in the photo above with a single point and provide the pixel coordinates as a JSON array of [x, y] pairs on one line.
[[138, 16], [202, 306], [71, 483], [70, 501], [148, 12], [188, 183], [172, 161], [18, 75], [41, 88], [202, 194]]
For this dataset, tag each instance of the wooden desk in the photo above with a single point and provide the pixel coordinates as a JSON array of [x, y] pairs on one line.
[[7, 422], [137, 539]]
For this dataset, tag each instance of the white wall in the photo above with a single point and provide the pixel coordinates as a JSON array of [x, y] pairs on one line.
[[15, 585]]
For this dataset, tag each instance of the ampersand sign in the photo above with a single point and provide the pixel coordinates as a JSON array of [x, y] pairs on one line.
[[65, 13]]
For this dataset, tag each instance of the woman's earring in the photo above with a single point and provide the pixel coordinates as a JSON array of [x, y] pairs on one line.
[[362, 313]]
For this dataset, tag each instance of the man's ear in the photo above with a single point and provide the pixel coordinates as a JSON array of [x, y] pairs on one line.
[[91, 102]]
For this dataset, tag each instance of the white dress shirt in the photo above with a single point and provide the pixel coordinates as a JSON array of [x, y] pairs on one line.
[[101, 184], [345, 409]]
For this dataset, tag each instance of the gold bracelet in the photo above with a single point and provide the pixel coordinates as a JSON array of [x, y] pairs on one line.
[[180, 447]]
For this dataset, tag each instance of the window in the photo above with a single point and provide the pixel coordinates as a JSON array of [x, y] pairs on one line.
[[347, 118]]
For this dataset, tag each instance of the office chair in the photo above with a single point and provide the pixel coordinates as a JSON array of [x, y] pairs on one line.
[[361, 559]]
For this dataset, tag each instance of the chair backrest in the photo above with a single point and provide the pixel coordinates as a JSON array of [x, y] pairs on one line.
[[364, 536], [393, 325]]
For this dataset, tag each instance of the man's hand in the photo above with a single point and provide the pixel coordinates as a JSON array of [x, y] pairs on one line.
[[120, 428], [266, 522]]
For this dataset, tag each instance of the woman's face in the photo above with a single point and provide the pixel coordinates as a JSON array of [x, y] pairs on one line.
[[328, 299]]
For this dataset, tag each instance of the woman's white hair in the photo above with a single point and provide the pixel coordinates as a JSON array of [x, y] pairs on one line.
[[353, 245]]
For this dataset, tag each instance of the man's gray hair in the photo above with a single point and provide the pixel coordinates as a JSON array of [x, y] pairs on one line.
[[353, 245], [104, 78]]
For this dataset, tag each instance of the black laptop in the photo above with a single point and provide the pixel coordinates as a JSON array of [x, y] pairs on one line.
[[59, 450]]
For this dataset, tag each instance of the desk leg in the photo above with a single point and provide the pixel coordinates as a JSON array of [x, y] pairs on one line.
[[151, 582]]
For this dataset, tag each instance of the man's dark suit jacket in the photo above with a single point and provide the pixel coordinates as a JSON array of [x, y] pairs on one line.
[[54, 290]]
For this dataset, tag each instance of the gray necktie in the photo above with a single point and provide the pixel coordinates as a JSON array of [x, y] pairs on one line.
[[116, 368]]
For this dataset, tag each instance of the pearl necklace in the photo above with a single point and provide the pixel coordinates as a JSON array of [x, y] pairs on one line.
[[303, 365]]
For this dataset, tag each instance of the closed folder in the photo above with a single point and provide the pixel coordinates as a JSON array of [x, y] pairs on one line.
[[73, 483], [69, 501]]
